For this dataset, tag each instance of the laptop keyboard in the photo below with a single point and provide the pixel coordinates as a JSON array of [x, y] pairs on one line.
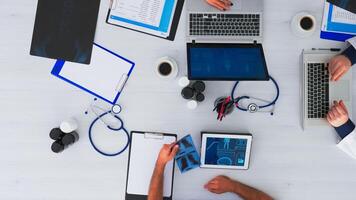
[[224, 24], [318, 90]]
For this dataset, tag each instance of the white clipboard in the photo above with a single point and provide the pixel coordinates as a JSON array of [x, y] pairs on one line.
[[144, 149], [104, 78]]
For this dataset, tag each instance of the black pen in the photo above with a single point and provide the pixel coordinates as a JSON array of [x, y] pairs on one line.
[[326, 49]]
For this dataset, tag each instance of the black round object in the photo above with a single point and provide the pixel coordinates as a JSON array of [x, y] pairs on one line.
[[200, 97], [70, 138], [306, 23], [56, 134], [199, 86], [57, 147], [188, 93], [165, 69]]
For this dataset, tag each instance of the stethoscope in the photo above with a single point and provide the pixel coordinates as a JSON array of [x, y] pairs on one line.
[[114, 112], [254, 107]]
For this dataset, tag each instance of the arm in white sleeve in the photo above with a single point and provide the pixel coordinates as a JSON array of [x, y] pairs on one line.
[[347, 133]]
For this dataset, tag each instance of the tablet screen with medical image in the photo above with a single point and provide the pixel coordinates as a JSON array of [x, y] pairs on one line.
[[226, 151]]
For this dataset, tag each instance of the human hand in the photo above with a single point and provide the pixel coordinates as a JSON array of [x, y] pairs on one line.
[[220, 184], [338, 66], [167, 153], [222, 5], [338, 114]]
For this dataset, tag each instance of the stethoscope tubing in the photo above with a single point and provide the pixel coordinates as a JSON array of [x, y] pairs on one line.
[[237, 100], [113, 129]]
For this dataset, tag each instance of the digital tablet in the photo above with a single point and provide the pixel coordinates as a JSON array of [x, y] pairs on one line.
[[225, 150]]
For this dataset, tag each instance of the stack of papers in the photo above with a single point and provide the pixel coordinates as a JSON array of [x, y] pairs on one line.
[[154, 17], [349, 5], [338, 24]]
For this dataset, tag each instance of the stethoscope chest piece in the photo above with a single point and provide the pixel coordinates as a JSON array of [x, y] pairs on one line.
[[116, 109], [252, 108]]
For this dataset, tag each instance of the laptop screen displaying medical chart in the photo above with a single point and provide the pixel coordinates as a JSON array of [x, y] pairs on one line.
[[226, 151], [149, 16], [226, 62]]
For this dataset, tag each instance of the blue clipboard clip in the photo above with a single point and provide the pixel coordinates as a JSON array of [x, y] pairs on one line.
[[119, 87]]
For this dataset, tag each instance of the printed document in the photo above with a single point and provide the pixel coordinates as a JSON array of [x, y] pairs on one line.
[[343, 16], [143, 11], [338, 20]]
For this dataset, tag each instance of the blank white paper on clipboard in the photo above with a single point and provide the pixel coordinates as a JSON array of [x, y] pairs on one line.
[[105, 77], [144, 150]]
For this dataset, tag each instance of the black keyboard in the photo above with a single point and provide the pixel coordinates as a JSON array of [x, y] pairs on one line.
[[318, 90], [224, 24]]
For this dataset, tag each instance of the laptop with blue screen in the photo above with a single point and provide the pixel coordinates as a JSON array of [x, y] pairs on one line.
[[226, 45]]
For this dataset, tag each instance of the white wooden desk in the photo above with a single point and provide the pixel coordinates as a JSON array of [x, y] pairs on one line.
[[287, 162]]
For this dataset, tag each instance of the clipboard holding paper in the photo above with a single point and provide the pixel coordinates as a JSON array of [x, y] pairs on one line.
[[144, 149], [104, 78], [338, 24], [158, 18]]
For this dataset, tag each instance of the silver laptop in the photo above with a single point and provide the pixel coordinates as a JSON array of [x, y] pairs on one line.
[[241, 24], [319, 92]]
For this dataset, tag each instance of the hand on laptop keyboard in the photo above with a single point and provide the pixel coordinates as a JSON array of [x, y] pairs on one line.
[[338, 66], [338, 114], [220, 4]]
